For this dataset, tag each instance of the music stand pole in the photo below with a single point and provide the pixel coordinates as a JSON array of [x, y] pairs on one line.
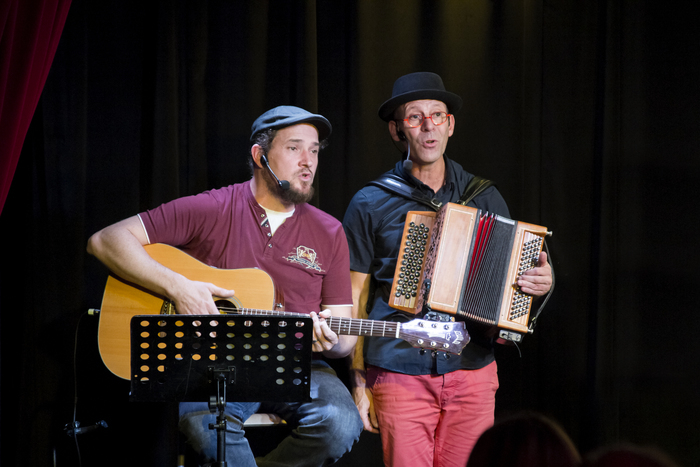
[[217, 404]]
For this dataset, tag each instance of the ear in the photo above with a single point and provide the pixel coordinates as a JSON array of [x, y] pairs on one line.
[[394, 131], [256, 152], [451, 122]]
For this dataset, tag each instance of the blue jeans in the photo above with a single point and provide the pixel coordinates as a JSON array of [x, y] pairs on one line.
[[324, 429]]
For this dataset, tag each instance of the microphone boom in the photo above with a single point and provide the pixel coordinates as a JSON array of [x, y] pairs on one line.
[[283, 184]]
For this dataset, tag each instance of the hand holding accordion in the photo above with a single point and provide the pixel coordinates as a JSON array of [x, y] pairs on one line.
[[465, 262]]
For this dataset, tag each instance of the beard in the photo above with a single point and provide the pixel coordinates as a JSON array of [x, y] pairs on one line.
[[291, 195]]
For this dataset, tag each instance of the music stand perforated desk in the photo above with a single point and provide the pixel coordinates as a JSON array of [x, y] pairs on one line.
[[219, 359]]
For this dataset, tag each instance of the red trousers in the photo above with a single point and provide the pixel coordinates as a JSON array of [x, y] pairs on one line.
[[432, 420]]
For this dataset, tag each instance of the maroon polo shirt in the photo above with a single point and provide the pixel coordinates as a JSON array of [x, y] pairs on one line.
[[307, 257]]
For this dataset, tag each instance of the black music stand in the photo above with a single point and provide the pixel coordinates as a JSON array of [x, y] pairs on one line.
[[226, 358]]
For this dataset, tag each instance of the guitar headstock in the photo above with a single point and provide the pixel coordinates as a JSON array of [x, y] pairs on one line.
[[449, 337]]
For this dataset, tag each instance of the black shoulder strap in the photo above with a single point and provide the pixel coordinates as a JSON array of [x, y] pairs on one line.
[[475, 186], [397, 185]]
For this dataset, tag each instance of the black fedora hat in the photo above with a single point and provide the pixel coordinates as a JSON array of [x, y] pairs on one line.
[[417, 86]]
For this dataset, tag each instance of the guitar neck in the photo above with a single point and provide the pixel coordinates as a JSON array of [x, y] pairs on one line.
[[347, 326]]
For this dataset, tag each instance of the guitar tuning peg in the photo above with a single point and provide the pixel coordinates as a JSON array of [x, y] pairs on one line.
[[422, 351]]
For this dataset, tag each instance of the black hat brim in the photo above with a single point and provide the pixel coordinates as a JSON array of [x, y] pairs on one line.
[[453, 101]]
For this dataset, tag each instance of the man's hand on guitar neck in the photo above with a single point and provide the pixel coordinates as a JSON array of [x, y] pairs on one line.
[[324, 339]]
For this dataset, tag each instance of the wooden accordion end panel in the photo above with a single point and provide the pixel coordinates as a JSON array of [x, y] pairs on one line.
[[468, 261], [408, 278]]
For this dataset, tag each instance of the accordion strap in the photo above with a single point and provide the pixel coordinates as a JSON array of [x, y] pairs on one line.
[[397, 185], [476, 186]]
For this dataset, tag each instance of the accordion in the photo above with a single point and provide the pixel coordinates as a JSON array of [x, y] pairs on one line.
[[464, 261]]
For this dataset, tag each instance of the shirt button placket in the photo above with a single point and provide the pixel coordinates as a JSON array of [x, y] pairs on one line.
[[266, 225]]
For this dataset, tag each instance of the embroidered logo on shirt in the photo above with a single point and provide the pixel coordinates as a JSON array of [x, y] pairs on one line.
[[306, 257]]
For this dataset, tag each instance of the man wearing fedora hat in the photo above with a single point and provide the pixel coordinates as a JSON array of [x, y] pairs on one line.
[[263, 223], [429, 408]]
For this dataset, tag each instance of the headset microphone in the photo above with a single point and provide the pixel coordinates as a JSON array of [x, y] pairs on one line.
[[283, 184], [407, 164]]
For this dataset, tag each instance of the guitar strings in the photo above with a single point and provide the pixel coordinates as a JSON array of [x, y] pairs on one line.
[[355, 325]]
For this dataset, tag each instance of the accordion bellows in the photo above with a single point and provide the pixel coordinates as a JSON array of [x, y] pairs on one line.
[[465, 262]]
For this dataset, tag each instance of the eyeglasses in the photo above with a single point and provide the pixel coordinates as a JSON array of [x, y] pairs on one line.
[[438, 118]]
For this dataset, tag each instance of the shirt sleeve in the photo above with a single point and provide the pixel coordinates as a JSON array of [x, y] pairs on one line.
[[357, 224], [182, 221], [336, 288]]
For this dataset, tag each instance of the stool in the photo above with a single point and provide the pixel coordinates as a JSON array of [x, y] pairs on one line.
[[263, 419]]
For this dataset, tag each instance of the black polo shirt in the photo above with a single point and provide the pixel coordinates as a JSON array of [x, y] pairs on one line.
[[373, 224]]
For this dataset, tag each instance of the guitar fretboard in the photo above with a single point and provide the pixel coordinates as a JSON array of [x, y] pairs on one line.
[[347, 326]]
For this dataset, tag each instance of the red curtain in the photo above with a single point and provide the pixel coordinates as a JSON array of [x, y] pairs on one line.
[[29, 34]]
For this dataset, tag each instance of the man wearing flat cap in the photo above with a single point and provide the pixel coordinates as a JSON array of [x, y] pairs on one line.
[[429, 407], [263, 223]]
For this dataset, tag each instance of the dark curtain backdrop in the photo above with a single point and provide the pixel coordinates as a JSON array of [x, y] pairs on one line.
[[585, 114]]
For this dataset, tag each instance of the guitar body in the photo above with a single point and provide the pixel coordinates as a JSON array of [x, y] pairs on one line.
[[122, 300]]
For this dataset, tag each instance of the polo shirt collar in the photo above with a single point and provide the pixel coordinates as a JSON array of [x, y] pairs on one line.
[[259, 209], [450, 176]]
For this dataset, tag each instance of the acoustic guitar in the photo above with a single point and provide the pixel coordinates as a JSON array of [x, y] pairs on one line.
[[255, 295]]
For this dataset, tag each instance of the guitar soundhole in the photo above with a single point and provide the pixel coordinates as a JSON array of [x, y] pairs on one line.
[[225, 306]]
